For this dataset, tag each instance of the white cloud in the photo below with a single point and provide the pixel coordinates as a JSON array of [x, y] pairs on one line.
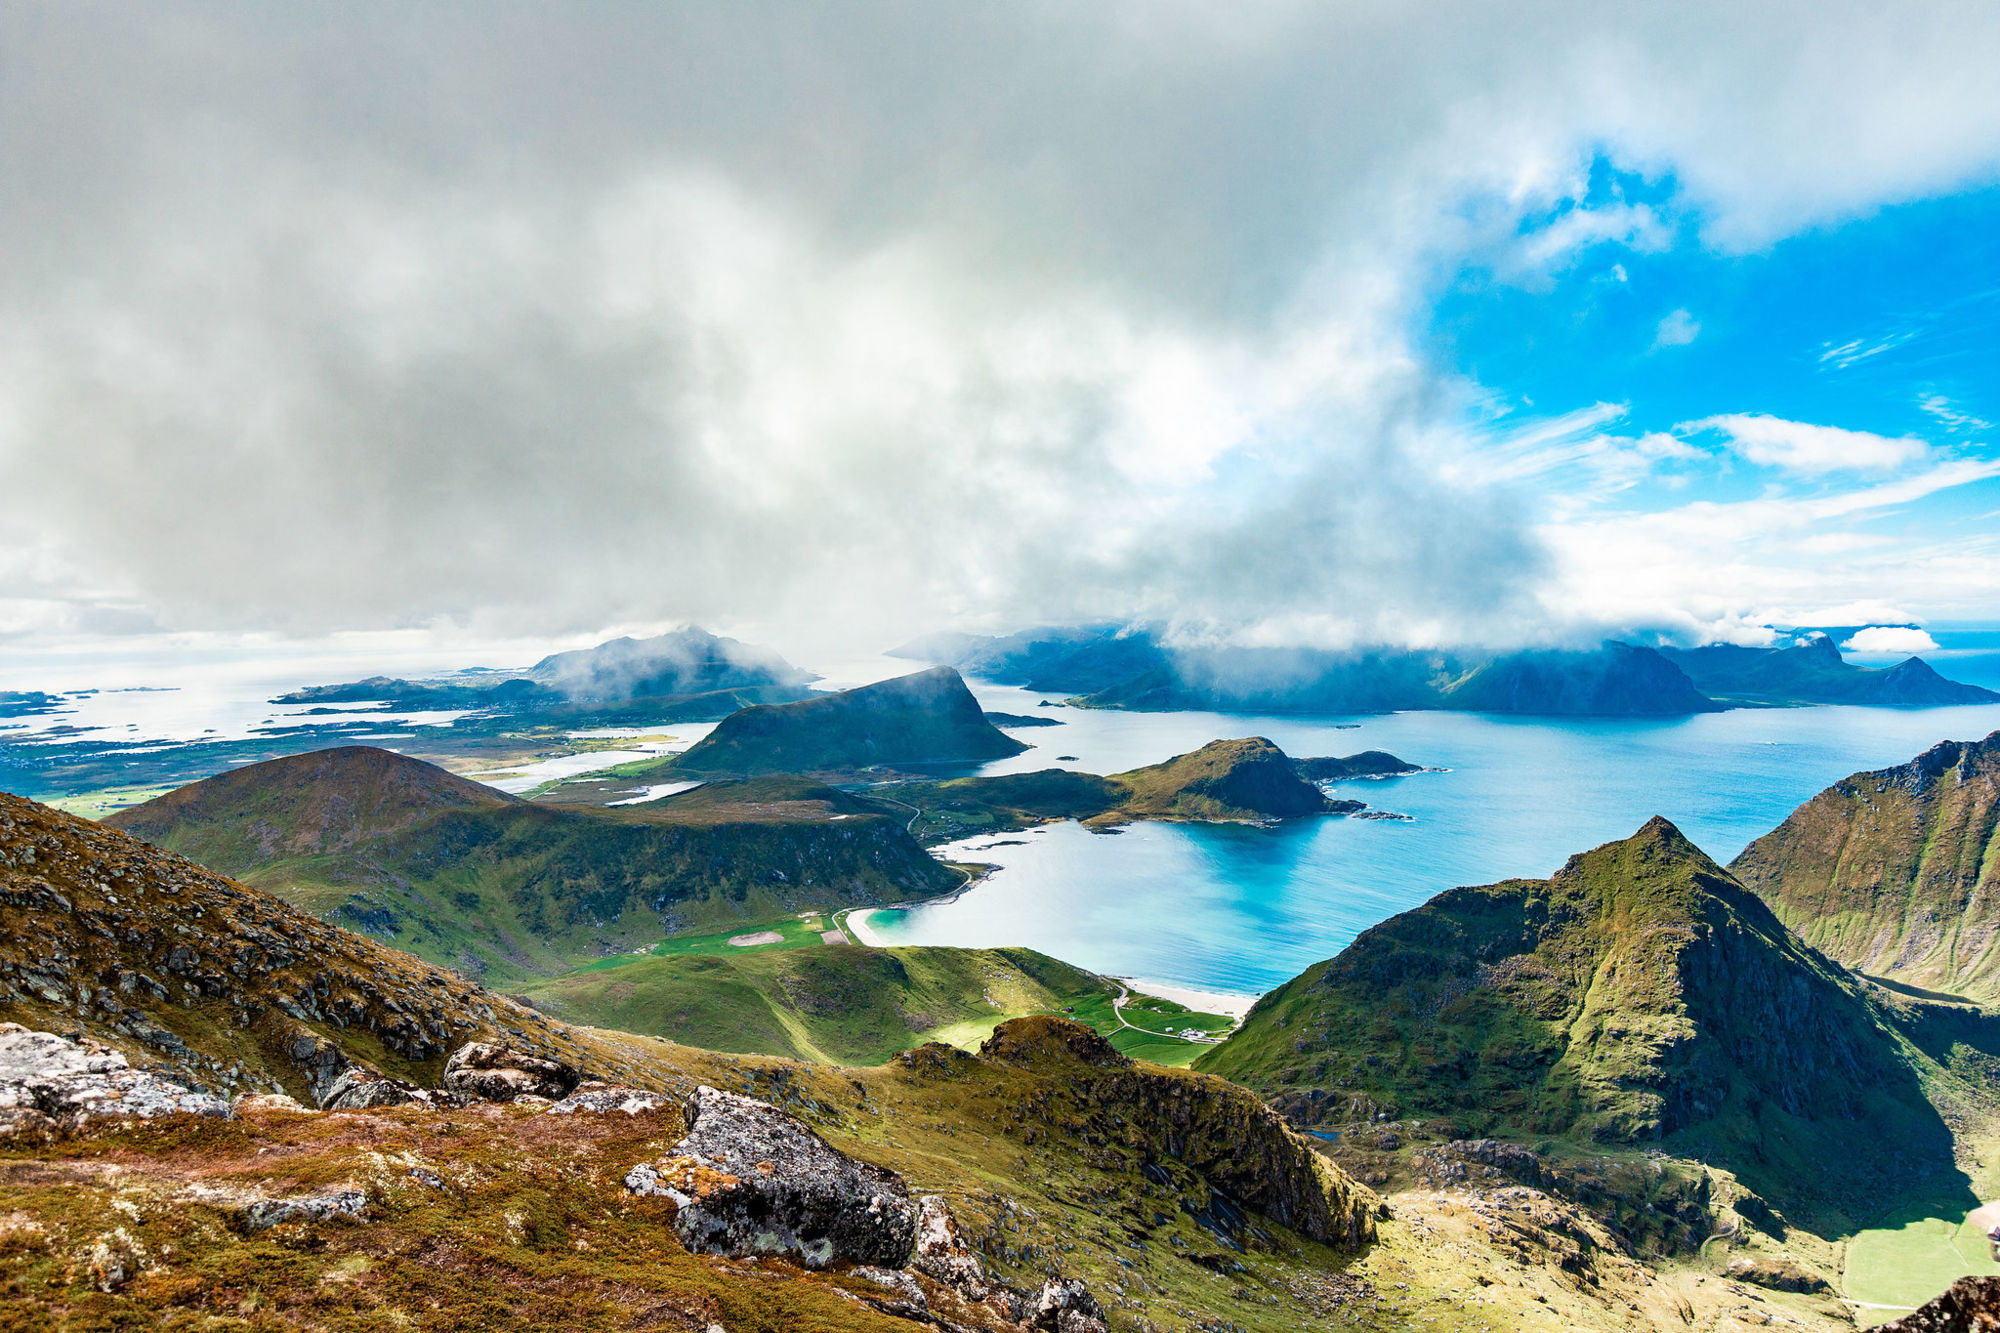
[[1950, 413], [1677, 329], [1891, 639], [1798, 446], [1841, 356], [560, 317]]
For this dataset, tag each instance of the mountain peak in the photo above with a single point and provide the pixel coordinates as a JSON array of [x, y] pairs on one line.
[[926, 717], [322, 799]]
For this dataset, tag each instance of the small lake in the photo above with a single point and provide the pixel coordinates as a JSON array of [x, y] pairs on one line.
[[1238, 908]]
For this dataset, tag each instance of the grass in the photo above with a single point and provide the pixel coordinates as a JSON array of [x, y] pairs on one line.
[[1901, 1267], [853, 1006], [798, 932], [106, 800]]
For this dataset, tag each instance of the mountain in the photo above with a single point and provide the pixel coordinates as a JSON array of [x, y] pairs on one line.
[[105, 935], [1640, 996], [1050, 1153], [928, 717], [1231, 780], [1239, 779], [1896, 873], [688, 661], [468, 877], [1367, 764], [1179, 1199], [1618, 680], [1135, 668], [1810, 670], [689, 674]]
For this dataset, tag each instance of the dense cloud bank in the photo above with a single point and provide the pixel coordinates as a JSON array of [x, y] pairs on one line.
[[876, 316]]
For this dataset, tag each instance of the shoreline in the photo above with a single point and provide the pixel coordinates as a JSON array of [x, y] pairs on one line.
[[1234, 1004]]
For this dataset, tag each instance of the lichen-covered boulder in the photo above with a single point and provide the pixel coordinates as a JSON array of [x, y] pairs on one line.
[[51, 1084], [602, 1098], [749, 1179], [339, 1204], [501, 1074], [362, 1089], [942, 1255], [1065, 1305], [260, 1103]]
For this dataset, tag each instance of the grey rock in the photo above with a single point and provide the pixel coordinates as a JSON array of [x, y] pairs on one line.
[[501, 1073], [360, 1089], [256, 1103], [67, 1084], [1065, 1305], [346, 1204], [759, 1181], [908, 1293], [602, 1098], [941, 1253], [643, 1179], [115, 1260]]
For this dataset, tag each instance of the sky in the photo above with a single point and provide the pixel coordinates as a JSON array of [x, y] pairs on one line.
[[1286, 323]]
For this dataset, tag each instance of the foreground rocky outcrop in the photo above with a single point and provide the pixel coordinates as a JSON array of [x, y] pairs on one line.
[[749, 1179], [50, 1085], [220, 986]]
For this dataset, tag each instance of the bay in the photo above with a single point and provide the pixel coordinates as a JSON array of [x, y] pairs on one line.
[[1243, 908]]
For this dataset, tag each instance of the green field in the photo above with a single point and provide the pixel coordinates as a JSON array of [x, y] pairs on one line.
[[850, 1005], [798, 932], [1892, 1269]]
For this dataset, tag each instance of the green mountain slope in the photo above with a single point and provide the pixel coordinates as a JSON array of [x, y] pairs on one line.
[[841, 1005], [928, 717], [1896, 873], [500, 888], [1639, 996]]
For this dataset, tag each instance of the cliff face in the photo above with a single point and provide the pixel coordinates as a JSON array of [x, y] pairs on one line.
[[476, 880], [1640, 995], [928, 717], [1896, 873]]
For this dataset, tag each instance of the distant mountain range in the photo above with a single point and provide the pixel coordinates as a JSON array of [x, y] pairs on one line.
[[1110, 666], [686, 675]]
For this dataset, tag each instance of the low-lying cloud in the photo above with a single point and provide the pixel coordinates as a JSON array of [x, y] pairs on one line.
[[876, 317]]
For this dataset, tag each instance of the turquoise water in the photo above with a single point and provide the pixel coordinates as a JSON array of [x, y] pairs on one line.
[[1243, 909]]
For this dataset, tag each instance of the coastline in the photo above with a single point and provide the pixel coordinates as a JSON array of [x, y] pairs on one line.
[[1235, 1004]]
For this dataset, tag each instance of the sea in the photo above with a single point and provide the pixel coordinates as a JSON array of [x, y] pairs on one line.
[[1239, 909]]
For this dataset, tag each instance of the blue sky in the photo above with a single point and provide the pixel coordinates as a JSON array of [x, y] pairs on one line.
[[1621, 362]]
